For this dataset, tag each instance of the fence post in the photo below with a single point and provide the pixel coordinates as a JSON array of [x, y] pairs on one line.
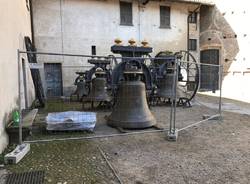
[[173, 134], [220, 99], [20, 98]]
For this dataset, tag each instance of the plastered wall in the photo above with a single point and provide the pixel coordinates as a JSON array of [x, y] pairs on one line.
[[15, 24]]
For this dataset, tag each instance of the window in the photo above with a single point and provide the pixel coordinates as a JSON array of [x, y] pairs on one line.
[[192, 17], [126, 17], [164, 17], [192, 44]]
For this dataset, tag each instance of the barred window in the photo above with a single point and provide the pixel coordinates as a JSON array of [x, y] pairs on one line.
[[126, 15], [164, 17], [192, 44]]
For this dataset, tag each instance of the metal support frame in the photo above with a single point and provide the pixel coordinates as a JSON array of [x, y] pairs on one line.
[[220, 99], [19, 64], [172, 132]]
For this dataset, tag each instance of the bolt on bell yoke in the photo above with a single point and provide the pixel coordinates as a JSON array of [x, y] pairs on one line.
[[131, 110]]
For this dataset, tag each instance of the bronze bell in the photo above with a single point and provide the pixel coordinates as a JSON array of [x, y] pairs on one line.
[[98, 89], [81, 89], [165, 87], [131, 110]]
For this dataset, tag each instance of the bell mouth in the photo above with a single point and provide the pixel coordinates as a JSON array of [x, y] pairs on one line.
[[131, 124]]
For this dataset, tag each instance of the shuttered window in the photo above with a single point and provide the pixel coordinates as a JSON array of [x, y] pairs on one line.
[[126, 15], [164, 17], [192, 44]]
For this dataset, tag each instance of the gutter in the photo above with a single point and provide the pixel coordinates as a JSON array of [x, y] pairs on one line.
[[200, 2], [32, 23]]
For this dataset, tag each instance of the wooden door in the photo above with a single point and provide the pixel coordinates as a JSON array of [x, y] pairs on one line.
[[53, 78], [209, 74]]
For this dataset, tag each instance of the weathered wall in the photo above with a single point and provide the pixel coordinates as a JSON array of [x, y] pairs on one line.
[[72, 26], [226, 25], [15, 24]]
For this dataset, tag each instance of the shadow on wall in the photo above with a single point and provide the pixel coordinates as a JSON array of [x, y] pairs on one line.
[[216, 33]]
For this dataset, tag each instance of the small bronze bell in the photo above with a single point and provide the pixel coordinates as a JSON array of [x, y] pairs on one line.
[[98, 88]]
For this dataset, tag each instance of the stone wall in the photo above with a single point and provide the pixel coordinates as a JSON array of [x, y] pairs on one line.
[[224, 27]]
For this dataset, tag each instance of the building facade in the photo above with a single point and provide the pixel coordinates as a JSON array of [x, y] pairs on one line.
[[72, 26]]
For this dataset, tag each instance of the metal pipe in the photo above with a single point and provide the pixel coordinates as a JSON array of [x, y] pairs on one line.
[[90, 56], [96, 137], [20, 98], [173, 99], [220, 99], [175, 94], [110, 165], [205, 64], [188, 35], [139, 20], [199, 122], [171, 111], [32, 22], [61, 22], [188, 27]]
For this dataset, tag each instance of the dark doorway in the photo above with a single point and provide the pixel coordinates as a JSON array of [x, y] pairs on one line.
[[53, 78], [209, 74]]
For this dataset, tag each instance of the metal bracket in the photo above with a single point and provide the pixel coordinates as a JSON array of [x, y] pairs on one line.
[[173, 135]]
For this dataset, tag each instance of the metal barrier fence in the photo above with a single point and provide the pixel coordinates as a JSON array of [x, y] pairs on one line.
[[206, 105], [172, 98]]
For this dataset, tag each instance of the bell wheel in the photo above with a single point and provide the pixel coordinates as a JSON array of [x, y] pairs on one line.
[[188, 78]]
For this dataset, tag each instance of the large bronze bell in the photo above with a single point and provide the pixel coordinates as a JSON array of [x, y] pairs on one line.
[[98, 89], [131, 110]]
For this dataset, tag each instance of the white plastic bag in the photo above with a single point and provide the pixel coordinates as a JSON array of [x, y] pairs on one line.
[[71, 120]]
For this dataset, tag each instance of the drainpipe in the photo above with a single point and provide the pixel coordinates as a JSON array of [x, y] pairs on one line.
[[189, 15], [139, 21], [140, 2], [32, 22]]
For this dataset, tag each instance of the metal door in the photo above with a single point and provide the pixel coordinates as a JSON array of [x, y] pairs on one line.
[[53, 78], [209, 74]]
